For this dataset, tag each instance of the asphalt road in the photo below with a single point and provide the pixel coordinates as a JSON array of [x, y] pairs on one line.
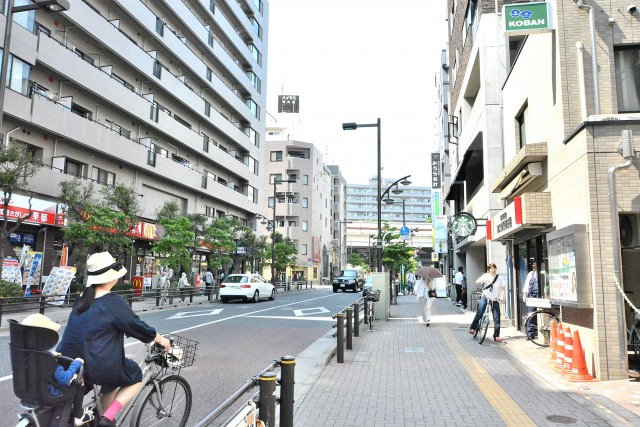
[[236, 341]]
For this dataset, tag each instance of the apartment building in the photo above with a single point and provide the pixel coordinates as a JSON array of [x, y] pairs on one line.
[[166, 96], [300, 209], [338, 203], [566, 174]]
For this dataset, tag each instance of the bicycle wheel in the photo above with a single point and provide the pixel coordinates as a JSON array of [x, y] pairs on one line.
[[484, 326], [539, 323], [170, 407], [634, 342], [372, 317]]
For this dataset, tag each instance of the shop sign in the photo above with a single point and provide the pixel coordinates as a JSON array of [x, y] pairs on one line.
[[507, 221], [144, 230], [527, 18], [42, 211]]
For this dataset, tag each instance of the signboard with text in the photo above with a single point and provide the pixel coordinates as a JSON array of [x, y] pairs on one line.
[[436, 177], [527, 18], [288, 104]]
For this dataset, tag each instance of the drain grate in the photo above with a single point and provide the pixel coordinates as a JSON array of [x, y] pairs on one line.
[[561, 419]]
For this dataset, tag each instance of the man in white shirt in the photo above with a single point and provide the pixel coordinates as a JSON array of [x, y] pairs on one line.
[[459, 281], [530, 289]]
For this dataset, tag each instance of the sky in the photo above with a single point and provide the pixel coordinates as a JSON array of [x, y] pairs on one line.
[[357, 61]]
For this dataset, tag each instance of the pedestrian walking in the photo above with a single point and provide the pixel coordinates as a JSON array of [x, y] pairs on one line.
[[183, 284], [424, 290], [530, 290], [492, 290], [208, 283], [411, 280], [163, 285], [459, 280]]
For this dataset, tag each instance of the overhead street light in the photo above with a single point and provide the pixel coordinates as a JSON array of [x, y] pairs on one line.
[[354, 126], [47, 6], [273, 228]]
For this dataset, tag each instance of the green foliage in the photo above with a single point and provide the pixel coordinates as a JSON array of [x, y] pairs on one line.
[[98, 221], [255, 247], [285, 253], [219, 238], [174, 244], [356, 260], [10, 289]]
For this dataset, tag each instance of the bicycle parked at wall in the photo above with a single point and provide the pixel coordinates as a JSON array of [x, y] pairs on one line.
[[633, 335], [165, 399], [537, 325], [371, 298]]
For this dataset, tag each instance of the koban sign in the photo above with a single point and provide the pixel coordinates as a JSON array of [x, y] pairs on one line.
[[526, 18]]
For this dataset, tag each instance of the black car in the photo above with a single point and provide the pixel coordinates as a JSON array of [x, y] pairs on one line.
[[348, 279]]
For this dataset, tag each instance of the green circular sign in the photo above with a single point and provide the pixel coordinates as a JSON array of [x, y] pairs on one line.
[[464, 224]]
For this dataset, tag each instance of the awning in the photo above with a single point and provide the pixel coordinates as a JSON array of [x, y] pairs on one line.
[[526, 175]]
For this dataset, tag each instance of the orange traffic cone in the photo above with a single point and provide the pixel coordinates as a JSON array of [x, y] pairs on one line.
[[568, 351], [560, 348], [579, 370], [553, 331]]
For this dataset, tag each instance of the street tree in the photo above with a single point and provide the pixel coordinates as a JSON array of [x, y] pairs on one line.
[[219, 239], [285, 254], [255, 249], [16, 167], [356, 260], [99, 220], [174, 244]]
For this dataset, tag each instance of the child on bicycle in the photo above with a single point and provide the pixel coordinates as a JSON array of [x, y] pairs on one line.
[[492, 290], [64, 377]]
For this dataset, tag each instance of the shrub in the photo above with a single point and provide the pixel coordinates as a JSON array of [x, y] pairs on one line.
[[11, 291]]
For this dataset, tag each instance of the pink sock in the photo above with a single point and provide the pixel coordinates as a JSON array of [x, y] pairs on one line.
[[113, 410]]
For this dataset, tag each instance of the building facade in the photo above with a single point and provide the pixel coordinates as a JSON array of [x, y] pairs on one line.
[[166, 97], [564, 183]]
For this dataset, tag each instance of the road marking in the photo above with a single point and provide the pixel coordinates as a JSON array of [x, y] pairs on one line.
[[327, 319], [186, 314], [307, 311], [506, 407]]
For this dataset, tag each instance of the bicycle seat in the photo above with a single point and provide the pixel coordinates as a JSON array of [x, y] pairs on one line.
[[34, 366], [636, 316]]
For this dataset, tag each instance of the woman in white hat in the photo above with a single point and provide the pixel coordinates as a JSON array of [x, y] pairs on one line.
[[95, 332]]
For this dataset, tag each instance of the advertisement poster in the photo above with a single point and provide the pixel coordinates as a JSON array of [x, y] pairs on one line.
[[31, 270], [57, 285], [11, 270], [562, 269]]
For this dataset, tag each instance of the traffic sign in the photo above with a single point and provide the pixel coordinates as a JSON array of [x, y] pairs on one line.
[[405, 237], [405, 231]]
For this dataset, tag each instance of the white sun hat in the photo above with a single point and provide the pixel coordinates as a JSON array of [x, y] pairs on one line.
[[41, 321], [102, 268]]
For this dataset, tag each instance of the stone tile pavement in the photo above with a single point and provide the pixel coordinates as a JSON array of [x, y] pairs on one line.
[[406, 374]]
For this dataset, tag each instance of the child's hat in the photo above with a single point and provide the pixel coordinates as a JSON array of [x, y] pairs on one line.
[[41, 321]]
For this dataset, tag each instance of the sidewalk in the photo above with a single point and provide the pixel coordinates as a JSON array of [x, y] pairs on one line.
[[405, 374]]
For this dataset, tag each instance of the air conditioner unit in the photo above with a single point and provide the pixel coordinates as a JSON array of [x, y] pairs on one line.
[[629, 236]]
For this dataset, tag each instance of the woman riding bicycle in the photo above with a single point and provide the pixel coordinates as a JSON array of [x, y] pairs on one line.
[[95, 332], [492, 290]]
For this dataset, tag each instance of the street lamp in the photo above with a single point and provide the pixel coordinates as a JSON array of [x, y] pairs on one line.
[[354, 126], [273, 229], [47, 6]]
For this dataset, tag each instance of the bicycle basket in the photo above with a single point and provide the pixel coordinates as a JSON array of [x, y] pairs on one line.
[[375, 296], [182, 354]]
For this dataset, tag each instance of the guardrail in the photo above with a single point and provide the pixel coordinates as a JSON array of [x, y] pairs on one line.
[[267, 381], [349, 318]]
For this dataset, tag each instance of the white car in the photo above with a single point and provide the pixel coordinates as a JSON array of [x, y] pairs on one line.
[[248, 287]]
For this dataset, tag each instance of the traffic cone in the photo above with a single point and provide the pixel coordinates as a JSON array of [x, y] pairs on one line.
[[560, 348], [579, 370], [568, 351], [553, 331]]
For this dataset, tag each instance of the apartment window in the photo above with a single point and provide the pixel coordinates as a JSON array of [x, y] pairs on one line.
[[206, 177], [627, 63], [305, 225], [253, 107], [256, 54], [151, 158], [157, 69], [305, 202], [253, 136], [209, 74], [252, 164], [522, 130], [205, 143], [25, 19], [270, 202], [305, 179], [303, 249], [19, 73], [293, 223], [81, 111], [159, 26], [293, 177], [255, 81], [102, 176], [256, 28], [222, 181], [207, 109], [122, 81], [252, 194], [258, 4], [275, 177], [210, 40], [276, 156], [153, 112], [209, 211], [212, 7], [182, 121]]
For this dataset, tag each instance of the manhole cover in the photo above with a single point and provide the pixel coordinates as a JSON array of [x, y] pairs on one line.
[[561, 419]]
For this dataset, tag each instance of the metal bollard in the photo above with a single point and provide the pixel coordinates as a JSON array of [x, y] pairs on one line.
[[267, 396], [287, 381], [43, 303], [356, 319], [191, 294], [349, 328], [158, 296], [340, 332], [366, 312]]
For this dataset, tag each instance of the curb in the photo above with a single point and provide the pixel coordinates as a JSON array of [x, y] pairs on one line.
[[310, 363]]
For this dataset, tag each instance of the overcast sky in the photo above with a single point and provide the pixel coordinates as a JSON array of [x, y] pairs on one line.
[[357, 61]]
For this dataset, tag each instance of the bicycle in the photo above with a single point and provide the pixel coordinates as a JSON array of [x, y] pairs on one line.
[[372, 297], [483, 323], [165, 398], [633, 335], [539, 322]]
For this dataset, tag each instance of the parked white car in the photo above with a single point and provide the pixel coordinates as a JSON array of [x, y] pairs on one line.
[[248, 287]]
